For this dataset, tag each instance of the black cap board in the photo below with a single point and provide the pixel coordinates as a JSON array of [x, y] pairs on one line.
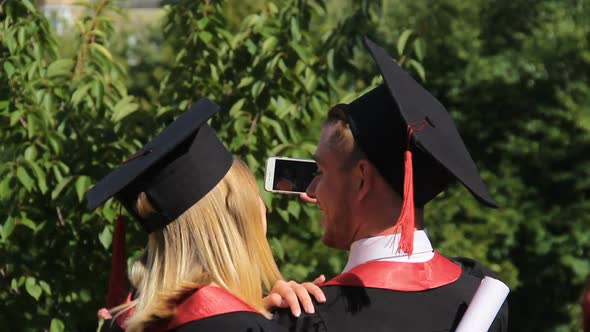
[[175, 169], [380, 120]]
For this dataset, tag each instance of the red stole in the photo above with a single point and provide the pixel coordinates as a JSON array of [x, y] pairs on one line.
[[399, 276], [205, 302]]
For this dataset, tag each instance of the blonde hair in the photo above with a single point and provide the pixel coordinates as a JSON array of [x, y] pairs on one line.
[[220, 239]]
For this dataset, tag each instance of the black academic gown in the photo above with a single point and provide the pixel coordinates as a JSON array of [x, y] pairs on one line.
[[391, 296], [210, 309]]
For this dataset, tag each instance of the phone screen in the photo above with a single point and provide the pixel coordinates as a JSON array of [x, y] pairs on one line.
[[293, 175]]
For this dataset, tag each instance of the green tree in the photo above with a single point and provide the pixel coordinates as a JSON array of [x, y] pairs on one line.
[[58, 115]]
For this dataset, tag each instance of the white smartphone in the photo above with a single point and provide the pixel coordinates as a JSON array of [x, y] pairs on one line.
[[289, 175]]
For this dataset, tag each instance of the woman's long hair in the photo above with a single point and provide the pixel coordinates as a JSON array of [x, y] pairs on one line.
[[221, 239]]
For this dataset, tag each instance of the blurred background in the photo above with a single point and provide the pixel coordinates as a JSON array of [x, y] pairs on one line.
[[84, 83]]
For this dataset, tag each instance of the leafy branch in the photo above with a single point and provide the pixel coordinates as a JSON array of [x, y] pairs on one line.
[[88, 37]]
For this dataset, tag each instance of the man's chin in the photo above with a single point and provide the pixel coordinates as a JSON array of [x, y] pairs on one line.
[[330, 241], [323, 219]]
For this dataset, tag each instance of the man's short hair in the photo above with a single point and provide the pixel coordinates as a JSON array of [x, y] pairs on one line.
[[341, 140]]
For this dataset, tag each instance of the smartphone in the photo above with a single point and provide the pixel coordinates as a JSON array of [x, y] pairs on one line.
[[289, 175]]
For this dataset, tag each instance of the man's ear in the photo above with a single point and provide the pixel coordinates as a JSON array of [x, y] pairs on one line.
[[364, 172]]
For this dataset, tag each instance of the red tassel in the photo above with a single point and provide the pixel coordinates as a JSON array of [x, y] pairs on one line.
[[118, 278], [406, 220], [405, 224]]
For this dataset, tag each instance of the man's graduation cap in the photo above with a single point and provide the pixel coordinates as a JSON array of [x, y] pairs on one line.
[[400, 115], [175, 169]]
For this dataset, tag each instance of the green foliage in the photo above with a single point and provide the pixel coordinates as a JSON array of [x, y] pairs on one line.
[[514, 74], [58, 115]]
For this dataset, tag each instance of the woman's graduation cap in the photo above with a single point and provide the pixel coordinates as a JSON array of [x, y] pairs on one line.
[[175, 169], [399, 121]]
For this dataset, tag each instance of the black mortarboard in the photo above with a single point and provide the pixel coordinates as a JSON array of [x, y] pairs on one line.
[[400, 115], [175, 169], [380, 120]]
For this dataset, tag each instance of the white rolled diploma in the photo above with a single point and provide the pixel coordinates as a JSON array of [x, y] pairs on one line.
[[484, 306]]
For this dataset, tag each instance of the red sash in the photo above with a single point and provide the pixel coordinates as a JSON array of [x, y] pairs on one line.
[[400, 276], [205, 302]]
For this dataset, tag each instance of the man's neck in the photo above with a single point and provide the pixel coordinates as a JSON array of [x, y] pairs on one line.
[[378, 225]]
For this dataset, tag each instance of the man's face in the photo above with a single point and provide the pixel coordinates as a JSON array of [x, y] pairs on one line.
[[332, 187]]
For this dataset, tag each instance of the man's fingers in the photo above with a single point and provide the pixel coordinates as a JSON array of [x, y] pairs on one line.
[[306, 198]]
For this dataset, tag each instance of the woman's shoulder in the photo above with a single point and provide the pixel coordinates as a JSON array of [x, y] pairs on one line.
[[231, 321], [215, 307], [210, 308]]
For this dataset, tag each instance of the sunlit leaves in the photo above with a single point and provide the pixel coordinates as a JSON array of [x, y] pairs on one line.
[[56, 325], [61, 185], [8, 68], [417, 66], [82, 185], [7, 228], [59, 116], [105, 237], [402, 40], [33, 288], [60, 67], [29, 5], [25, 179], [123, 108], [101, 50]]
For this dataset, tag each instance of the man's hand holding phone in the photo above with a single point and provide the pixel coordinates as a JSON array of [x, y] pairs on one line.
[[304, 197]]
